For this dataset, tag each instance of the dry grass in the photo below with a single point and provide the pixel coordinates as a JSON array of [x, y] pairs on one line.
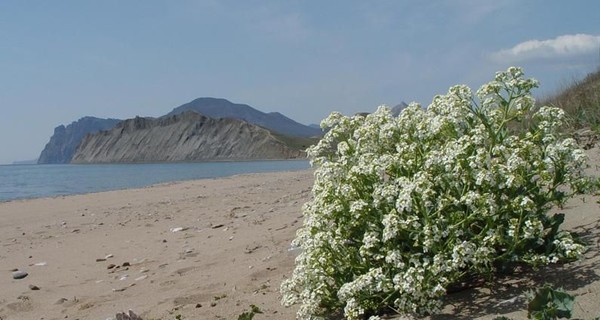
[[581, 102]]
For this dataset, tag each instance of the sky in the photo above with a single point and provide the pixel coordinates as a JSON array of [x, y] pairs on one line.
[[63, 60]]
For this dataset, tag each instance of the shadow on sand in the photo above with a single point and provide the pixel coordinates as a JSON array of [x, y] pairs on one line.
[[507, 294]]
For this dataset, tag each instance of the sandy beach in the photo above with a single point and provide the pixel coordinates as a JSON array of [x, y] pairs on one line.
[[209, 249], [205, 249]]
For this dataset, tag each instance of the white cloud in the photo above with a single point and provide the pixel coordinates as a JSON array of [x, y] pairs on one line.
[[565, 46]]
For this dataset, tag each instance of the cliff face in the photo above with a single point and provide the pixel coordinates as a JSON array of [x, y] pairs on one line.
[[64, 141], [222, 108], [187, 136]]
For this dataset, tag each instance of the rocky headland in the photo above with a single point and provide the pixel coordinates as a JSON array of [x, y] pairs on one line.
[[64, 141], [188, 136]]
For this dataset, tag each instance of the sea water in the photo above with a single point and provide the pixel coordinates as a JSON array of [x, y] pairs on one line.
[[35, 181]]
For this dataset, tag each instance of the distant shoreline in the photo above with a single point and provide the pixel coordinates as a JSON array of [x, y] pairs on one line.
[[55, 180]]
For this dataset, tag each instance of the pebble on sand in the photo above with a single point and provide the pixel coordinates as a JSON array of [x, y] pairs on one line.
[[19, 274]]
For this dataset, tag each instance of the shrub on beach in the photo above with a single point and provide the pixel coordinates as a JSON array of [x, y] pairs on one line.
[[403, 207]]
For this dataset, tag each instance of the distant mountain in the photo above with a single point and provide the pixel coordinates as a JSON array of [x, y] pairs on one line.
[[398, 108], [187, 136], [64, 141], [222, 108]]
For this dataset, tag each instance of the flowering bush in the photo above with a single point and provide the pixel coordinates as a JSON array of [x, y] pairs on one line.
[[405, 206]]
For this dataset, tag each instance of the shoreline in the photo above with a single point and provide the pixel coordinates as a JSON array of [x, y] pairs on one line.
[[101, 179], [203, 248]]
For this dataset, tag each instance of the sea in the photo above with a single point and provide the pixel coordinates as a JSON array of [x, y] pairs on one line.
[[36, 181]]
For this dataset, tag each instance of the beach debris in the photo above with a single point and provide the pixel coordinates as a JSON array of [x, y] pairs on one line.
[[217, 226], [33, 287], [124, 288], [141, 278], [61, 301], [108, 256], [110, 266], [41, 264], [252, 249], [19, 274], [178, 229], [100, 259], [124, 277], [127, 316]]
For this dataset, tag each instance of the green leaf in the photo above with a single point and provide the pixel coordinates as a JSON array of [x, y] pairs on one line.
[[564, 304], [547, 303]]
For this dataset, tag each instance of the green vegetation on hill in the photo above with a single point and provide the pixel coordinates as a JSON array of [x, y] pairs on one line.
[[581, 102], [296, 143]]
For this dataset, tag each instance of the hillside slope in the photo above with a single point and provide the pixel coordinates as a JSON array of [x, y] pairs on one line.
[[188, 136]]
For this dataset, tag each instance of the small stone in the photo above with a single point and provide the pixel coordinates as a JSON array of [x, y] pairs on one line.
[[216, 226], [34, 287], [100, 259], [198, 305], [213, 304], [164, 241], [126, 264], [19, 275]]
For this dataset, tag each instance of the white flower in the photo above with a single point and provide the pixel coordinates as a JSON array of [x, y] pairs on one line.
[[402, 206]]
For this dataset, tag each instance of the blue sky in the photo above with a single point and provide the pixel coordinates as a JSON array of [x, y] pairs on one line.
[[62, 60]]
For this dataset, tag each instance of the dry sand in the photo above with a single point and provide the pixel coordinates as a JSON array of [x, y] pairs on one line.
[[231, 253], [209, 249]]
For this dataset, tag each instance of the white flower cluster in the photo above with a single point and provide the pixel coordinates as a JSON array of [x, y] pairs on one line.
[[405, 206]]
